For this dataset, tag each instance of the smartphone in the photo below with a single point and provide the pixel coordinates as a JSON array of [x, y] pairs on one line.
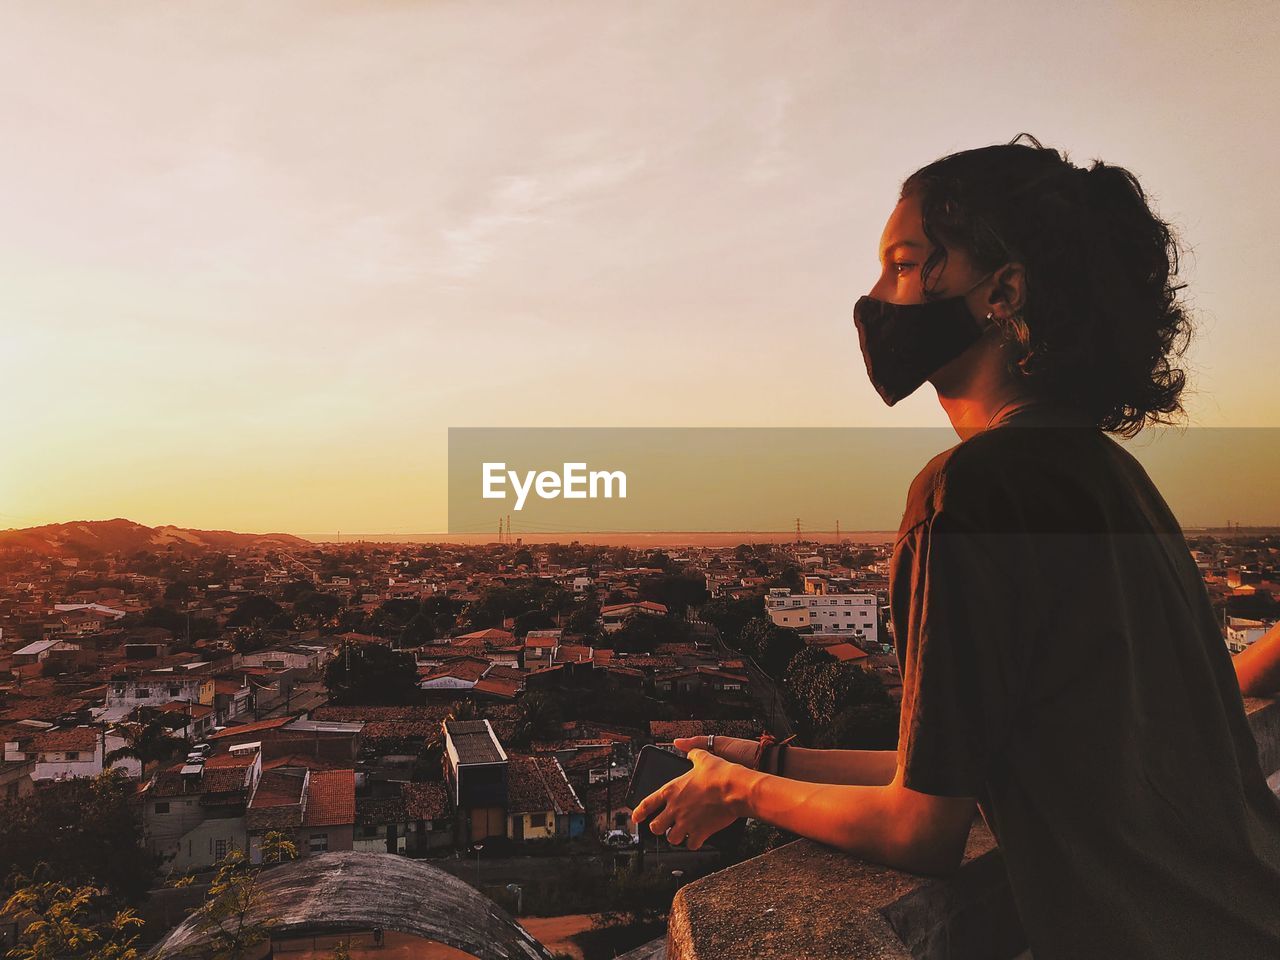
[[654, 767]]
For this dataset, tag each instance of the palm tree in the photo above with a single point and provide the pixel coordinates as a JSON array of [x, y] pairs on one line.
[[147, 743]]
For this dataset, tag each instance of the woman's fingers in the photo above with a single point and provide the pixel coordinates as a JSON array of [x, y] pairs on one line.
[[733, 749]]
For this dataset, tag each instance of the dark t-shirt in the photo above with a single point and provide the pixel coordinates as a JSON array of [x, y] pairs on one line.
[[1061, 663]]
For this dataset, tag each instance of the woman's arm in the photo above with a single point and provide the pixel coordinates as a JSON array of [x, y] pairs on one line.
[[873, 768], [1258, 666], [888, 824]]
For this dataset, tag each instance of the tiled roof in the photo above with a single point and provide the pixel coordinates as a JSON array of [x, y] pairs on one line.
[[473, 741], [76, 738], [249, 728], [538, 784], [371, 811], [492, 635], [495, 686], [279, 787], [425, 801], [331, 798]]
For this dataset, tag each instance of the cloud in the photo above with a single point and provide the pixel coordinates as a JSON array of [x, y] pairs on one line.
[[516, 201]]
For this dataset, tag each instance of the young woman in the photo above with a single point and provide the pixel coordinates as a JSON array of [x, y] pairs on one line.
[[1063, 670]]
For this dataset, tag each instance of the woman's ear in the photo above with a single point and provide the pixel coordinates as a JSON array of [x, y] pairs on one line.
[[1008, 294]]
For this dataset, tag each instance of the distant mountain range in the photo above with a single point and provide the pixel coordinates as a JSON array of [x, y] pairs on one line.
[[90, 538]]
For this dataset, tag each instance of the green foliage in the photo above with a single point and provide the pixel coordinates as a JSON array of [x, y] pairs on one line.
[[236, 916], [500, 602], [772, 646], [839, 705], [584, 619], [642, 633], [85, 831], [790, 577], [372, 675], [676, 591], [539, 714], [730, 616], [148, 743], [59, 922], [249, 639], [255, 610]]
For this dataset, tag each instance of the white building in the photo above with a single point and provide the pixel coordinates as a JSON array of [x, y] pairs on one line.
[[848, 613], [1242, 633], [66, 752]]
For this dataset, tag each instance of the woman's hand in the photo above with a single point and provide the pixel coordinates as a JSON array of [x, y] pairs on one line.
[[733, 749], [697, 804]]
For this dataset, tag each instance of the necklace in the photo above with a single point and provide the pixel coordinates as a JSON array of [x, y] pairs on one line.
[[1001, 409]]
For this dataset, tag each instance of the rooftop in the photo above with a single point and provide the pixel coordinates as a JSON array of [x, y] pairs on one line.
[[474, 741]]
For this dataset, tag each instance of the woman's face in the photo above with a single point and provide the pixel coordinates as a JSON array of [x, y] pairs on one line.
[[903, 251]]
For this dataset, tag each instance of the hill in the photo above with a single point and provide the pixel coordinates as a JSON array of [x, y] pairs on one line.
[[94, 538]]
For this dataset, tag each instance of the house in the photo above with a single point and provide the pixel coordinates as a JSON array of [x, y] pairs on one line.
[[847, 653], [232, 699], [61, 752], [615, 617], [540, 801], [382, 822], [457, 673], [476, 772], [16, 781], [39, 650], [427, 807], [297, 656], [315, 807], [538, 645], [853, 614], [155, 688], [75, 623], [193, 814]]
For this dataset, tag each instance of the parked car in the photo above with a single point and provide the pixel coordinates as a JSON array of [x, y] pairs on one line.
[[620, 838]]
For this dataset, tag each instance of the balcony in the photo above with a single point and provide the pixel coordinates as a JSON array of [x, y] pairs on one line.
[[804, 900]]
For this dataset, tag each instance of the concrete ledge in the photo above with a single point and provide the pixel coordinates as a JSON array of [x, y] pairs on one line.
[[805, 900], [808, 900]]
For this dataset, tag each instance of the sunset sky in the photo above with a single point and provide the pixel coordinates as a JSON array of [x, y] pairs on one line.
[[257, 258]]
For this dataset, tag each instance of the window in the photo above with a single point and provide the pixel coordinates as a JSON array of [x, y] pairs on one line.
[[73, 755], [143, 693], [221, 848], [175, 691], [162, 807], [318, 842]]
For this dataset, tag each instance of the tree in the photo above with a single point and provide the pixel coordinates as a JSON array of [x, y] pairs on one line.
[[255, 610], [59, 922], [771, 645], [235, 916], [676, 591], [538, 717], [643, 632], [372, 675], [730, 616], [839, 704], [148, 743], [85, 830]]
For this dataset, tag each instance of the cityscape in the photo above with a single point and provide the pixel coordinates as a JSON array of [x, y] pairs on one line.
[[178, 707]]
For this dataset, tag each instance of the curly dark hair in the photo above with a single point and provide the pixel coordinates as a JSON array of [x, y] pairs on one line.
[[1103, 326]]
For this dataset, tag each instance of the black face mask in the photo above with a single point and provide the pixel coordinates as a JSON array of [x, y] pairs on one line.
[[903, 344]]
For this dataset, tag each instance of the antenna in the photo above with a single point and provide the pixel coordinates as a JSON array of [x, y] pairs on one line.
[[837, 531], [797, 531], [499, 529]]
